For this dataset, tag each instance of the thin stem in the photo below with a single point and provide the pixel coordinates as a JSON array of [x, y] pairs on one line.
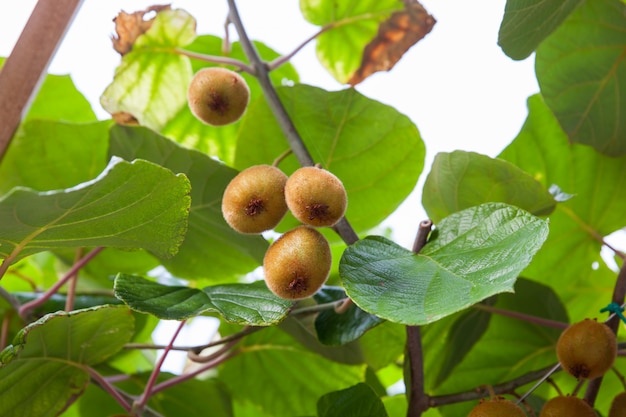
[[71, 291], [184, 377], [317, 308], [522, 316], [25, 308], [195, 357], [214, 59], [282, 157], [4, 332], [418, 400], [106, 385], [285, 58], [619, 293], [14, 302], [344, 306], [502, 388], [147, 392]]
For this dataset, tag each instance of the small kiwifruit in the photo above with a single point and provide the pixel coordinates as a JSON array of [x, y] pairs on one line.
[[567, 406], [218, 96], [498, 407], [618, 406], [315, 196], [587, 349], [298, 263], [254, 201]]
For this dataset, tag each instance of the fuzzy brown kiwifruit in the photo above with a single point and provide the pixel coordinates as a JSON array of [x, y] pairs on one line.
[[316, 197], [218, 96], [587, 349], [254, 201], [297, 264], [498, 407], [567, 406], [618, 406]]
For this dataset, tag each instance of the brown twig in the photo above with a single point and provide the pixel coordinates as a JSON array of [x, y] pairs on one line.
[[418, 400]]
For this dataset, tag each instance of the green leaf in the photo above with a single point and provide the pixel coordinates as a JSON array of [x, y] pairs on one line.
[[339, 329], [357, 401], [459, 180], [581, 70], [45, 367], [130, 205], [211, 249], [152, 80], [247, 304], [40, 151], [526, 23], [220, 141], [477, 252], [376, 151], [283, 378], [572, 252], [354, 24]]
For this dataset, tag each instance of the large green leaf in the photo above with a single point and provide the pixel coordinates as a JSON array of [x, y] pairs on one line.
[[44, 369], [476, 253], [211, 249], [459, 180], [283, 378], [526, 23], [571, 254], [50, 155], [581, 69], [130, 205], [248, 304], [152, 80], [376, 151], [221, 141], [357, 401], [355, 24]]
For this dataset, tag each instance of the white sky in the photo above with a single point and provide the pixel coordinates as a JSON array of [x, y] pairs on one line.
[[456, 84]]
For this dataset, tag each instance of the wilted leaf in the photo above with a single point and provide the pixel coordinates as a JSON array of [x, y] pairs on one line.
[[129, 26], [395, 36], [477, 252]]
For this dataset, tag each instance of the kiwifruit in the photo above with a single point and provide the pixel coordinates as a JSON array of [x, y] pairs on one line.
[[567, 406], [298, 263], [315, 196], [498, 407], [254, 201], [587, 349], [218, 96], [618, 406]]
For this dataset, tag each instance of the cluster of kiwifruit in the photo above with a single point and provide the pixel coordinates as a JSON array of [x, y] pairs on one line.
[[586, 350], [298, 263]]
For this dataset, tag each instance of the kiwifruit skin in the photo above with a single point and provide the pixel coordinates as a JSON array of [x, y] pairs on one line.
[[218, 96], [618, 406], [316, 196], [587, 349], [263, 185], [497, 408], [297, 264], [566, 406]]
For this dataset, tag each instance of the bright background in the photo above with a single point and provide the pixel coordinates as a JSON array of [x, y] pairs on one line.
[[456, 84]]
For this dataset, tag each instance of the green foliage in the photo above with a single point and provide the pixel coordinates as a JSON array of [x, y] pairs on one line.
[[476, 253], [582, 74], [150, 196]]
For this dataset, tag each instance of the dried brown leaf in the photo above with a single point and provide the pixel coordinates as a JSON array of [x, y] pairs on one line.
[[129, 26], [124, 118], [395, 36]]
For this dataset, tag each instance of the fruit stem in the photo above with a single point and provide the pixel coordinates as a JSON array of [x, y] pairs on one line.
[[285, 58], [214, 59], [522, 316], [281, 157], [418, 400]]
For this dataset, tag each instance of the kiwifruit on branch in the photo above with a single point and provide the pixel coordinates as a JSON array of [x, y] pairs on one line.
[[261, 71]]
